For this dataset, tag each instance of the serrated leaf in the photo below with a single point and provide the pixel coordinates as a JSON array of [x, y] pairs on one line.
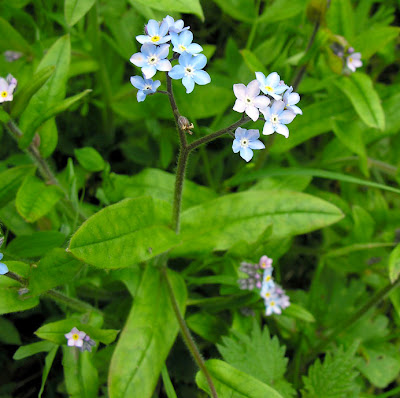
[[394, 264], [129, 232], [74, 10]]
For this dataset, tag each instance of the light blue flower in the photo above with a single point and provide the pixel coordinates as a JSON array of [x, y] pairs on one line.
[[272, 306], [175, 26], [271, 84], [3, 267], [245, 141], [276, 118], [145, 86], [290, 99], [151, 59], [267, 281], [190, 71], [183, 42], [155, 33]]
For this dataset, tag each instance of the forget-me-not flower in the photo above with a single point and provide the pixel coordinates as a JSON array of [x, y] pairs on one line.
[[291, 99], [151, 59], [249, 100], [265, 262], [245, 141], [145, 86], [276, 118], [183, 42], [3, 267], [267, 281], [7, 87], [156, 33], [75, 337], [272, 306], [353, 61], [190, 71], [175, 26], [271, 84]]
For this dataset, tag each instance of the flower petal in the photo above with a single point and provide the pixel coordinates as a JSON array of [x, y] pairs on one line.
[[194, 48], [149, 71], [293, 98], [261, 102], [286, 117], [143, 39], [163, 29], [138, 82], [268, 128], [277, 107], [164, 65], [296, 109], [236, 146], [257, 144], [162, 51], [272, 79], [282, 129], [260, 78], [141, 96], [186, 37], [201, 77], [239, 106], [253, 89], [188, 82], [185, 59], [253, 134], [239, 133], [199, 61], [177, 72], [252, 112], [153, 28], [148, 49], [137, 59], [246, 154], [3, 269], [240, 91]]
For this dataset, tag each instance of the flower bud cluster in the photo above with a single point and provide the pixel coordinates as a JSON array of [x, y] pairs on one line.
[[274, 296], [154, 52], [7, 87], [278, 106], [77, 338]]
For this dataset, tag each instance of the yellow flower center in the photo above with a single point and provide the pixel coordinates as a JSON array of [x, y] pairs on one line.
[[75, 336], [267, 295], [350, 59], [267, 278], [155, 38], [269, 89], [4, 94], [272, 303], [182, 47]]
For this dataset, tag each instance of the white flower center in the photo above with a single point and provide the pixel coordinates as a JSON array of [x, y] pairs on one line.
[[274, 118], [244, 142], [248, 101], [182, 47], [152, 60], [189, 71], [148, 87]]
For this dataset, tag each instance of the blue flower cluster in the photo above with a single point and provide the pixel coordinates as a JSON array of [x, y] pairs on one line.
[[154, 52], [278, 106], [274, 296]]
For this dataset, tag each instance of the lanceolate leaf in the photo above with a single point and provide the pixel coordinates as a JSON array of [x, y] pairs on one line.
[[74, 10], [394, 264], [147, 337]]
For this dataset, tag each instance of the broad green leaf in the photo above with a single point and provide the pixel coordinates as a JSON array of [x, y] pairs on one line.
[[13, 221], [4, 116], [51, 93], [252, 61], [219, 223], [55, 331], [242, 10], [233, 383], [8, 332], [11, 39], [209, 327], [48, 362], [360, 91], [299, 312], [32, 349], [35, 245], [147, 337], [394, 264], [48, 135], [185, 6], [340, 18], [57, 268], [129, 232], [89, 159], [10, 180], [74, 10], [35, 199], [280, 10]]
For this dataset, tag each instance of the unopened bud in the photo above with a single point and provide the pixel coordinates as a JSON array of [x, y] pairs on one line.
[[185, 125]]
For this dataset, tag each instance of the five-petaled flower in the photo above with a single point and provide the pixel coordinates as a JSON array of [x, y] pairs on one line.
[[190, 71], [271, 85], [353, 61], [291, 99], [272, 306], [3, 267], [156, 33], [183, 42], [145, 86], [265, 262], [7, 87], [152, 58], [276, 118], [75, 337], [175, 26], [245, 141], [249, 100]]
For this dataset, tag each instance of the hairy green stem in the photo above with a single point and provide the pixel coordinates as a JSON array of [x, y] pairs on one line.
[[187, 336], [179, 180]]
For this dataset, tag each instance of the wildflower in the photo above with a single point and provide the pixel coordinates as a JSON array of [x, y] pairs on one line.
[[245, 141], [75, 337], [272, 306], [265, 262], [283, 299], [249, 100], [175, 26], [145, 86], [271, 85], [291, 99], [253, 277], [190, 71], [183, 42], [155, 33], [3, 267], [12, 56], [151, 59], [353, 60], [185, 125], [267, 281], [7, 87], [276, 118], [88, 343]]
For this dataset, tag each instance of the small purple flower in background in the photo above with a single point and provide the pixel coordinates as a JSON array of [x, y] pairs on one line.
[[75, 337], [155, 33], [265, 262], [353, 60], [245, 141], [151, 59], [3, 267], [253, 279], [291, 99], [249, 100], [88, 343], [190, 71], [145, 86], [175, 26], [7, 87], [12, 56], [276, 118], [271, 84], [183, 42]]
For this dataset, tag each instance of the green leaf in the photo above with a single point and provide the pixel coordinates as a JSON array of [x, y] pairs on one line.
[[360, 91], [252, 61], [129, 232], [394, 264], [57, 268], [340, 18], [8, 332], [169, 388], [51, 93], [32, 349], [242, 10], [48, 362], [74, 10], [10, 38], [259, 355], [48, 135], [147, 337], [233, 383], [55, 331], [209, 327], [4, 116], [89, 159], [216, 224], [35, 199], [35, 245], [274, 12], [10, 180], [299, 312], [185, 6], [334, 378]]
